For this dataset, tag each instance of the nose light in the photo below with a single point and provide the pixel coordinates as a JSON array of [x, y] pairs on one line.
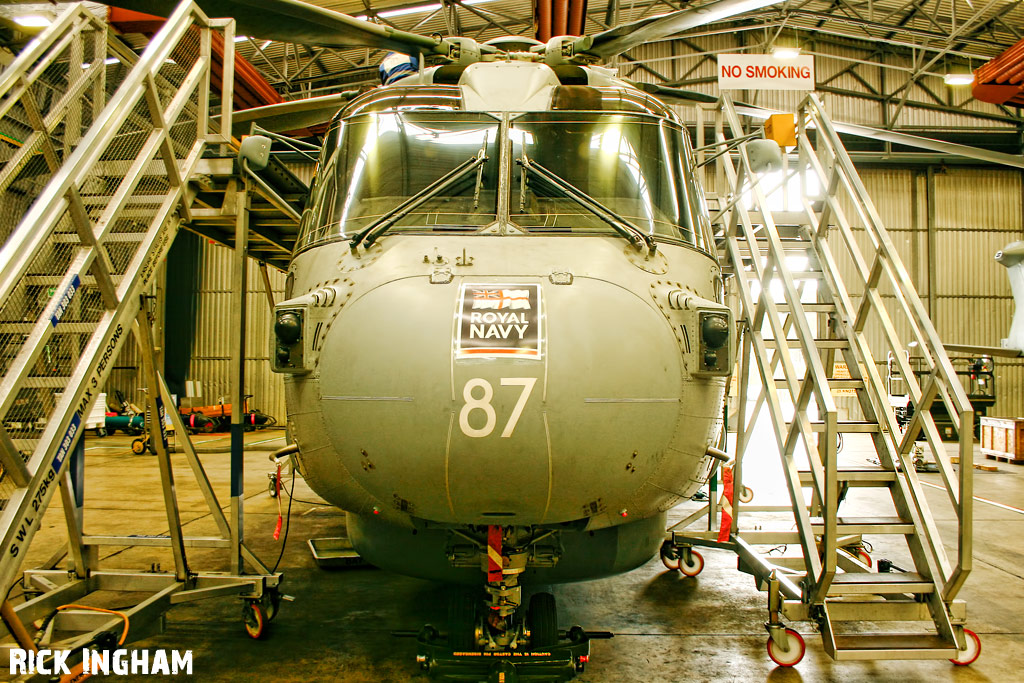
[[288, 347], [714, 329], [288, 327]]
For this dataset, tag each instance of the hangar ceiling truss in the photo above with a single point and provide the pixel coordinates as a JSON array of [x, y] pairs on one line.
[[891, 55]]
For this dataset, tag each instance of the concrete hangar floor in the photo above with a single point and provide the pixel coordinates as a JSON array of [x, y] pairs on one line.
[[667, 627]]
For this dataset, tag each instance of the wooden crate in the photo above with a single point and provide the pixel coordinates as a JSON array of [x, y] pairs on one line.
[[1003, 437]]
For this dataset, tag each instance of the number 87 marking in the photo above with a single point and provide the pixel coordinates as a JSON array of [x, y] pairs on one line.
[[484, 404]]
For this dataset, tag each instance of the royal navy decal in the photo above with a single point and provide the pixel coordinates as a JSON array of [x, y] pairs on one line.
[[501, 320]]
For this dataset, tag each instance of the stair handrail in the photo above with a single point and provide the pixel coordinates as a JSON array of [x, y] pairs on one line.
[[943, 383], [820, 565], [17, 253], [38, 47]]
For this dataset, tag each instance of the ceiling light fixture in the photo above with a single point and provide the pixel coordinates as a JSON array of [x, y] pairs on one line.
[[33, 21], [418, 9], [958, 78], [785, 52]]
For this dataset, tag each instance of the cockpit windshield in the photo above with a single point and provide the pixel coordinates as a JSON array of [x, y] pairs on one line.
[[635, 165], [380, 160]]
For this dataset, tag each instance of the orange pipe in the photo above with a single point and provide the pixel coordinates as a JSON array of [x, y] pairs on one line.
[[577, 15], [560, 19], [542, 14]]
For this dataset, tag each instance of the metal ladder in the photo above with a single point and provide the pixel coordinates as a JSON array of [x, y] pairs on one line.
[[113, 178], [819, 284]]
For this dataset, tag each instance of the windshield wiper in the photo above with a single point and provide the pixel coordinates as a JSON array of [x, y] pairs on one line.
[[637, 237], [373, 231]]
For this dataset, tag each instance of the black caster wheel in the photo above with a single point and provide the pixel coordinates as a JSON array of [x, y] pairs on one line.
[[669, 556], [271, 603]]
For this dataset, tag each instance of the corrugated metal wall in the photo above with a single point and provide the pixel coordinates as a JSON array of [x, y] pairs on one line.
[[976, 213], [211, 359]]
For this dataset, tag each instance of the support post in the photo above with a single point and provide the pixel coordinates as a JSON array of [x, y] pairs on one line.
[[158, 439], [930, 227], [238, 322], [72, 499]]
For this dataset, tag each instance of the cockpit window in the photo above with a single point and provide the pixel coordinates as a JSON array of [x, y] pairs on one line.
[[380, 160], [634, 166]]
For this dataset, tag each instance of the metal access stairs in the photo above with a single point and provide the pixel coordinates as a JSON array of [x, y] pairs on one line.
[[72, 270], [97, 149], [815, 286]]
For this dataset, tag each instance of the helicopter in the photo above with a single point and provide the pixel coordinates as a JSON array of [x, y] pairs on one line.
[[504, 335]]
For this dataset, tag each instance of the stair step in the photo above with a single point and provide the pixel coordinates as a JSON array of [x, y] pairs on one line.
[[819, 343], [893, 646], [809, 307], [781, 218], [88, 280], [868, 525], [45, 382], [880, 583], [858, 477], [73, 238], [833, 383], [65, 328], [891, 608], [850, 427], [807, 275]]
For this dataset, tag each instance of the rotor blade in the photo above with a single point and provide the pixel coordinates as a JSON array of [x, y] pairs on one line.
[[293, 21], [616, 40], [289, 116], [674, 95]]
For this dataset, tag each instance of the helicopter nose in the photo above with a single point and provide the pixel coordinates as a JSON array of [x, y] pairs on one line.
[[491, 438]]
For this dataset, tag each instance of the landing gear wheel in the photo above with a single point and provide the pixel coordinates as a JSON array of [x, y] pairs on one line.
[[272, 487], [669, 556], [542, 618], [746, 494], [138, 446], [692, 566], [863, 556], [973, 651], [253, 619], [462, 614], [795, 652]]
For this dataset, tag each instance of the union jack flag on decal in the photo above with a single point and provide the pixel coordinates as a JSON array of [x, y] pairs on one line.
[[500, 299], [499, 321]]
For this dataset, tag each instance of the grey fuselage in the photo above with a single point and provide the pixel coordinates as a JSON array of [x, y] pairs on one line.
[[424, 398]]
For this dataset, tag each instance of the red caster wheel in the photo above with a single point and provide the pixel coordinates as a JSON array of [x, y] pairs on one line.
[[694, 566], [254, 620], [972, 652], [793, 654]]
